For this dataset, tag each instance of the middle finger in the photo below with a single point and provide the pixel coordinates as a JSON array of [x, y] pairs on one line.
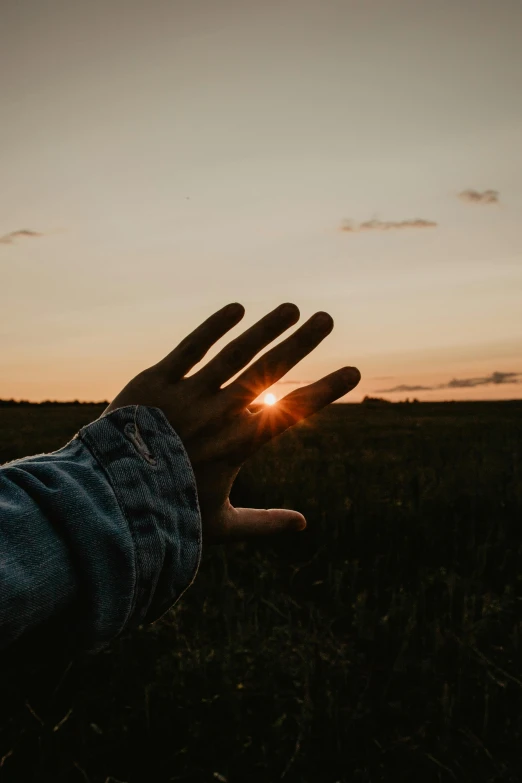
[[240, 351], [270, 367]]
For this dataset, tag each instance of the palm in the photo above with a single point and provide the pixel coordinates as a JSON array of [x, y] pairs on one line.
[[216, 426]]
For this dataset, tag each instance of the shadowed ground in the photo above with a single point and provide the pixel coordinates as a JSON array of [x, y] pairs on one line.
[[383, 643]]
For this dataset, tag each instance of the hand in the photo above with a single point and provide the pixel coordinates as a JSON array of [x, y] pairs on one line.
[[216, 427]]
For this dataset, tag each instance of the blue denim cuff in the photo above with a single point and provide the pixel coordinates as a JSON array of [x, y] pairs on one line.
[[151, 476]]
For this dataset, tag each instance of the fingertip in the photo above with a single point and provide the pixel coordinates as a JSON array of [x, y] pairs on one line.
[[322, 321], [351, 376], [289, 310], [287, 520], [234, 309]]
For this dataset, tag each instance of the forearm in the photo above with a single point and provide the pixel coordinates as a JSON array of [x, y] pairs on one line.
[[98, 528]]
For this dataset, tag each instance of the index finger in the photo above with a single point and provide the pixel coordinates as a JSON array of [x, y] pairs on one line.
[[193, 348]]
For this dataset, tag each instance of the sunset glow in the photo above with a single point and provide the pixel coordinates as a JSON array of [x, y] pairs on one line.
[[155, 170]]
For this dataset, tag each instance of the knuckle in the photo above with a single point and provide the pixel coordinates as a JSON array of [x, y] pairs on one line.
[[193, 353], [234, 357], [148, 376]]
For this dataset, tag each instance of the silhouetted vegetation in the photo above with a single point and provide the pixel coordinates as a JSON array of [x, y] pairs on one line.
[[384, 643], [12, 402], [375, 401]]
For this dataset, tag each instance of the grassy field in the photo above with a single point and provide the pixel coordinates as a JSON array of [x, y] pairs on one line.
[[384, 643]]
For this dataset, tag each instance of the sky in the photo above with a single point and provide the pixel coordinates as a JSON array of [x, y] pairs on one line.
[[161, 159]]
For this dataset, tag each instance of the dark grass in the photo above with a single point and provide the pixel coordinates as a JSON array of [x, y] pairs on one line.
[[384, 643]]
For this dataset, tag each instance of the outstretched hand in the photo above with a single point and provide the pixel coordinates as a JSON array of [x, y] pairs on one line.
[[215, 425]]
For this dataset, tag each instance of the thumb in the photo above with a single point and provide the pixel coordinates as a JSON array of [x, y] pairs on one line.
[[247, 522]]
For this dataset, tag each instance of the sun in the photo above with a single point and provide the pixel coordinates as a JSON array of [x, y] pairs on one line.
[[269, 399]]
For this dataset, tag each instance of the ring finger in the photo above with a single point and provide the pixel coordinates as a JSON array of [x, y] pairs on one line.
[[270, 367]]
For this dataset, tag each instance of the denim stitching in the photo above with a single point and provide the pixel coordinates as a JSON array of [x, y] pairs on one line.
[[134, 435]]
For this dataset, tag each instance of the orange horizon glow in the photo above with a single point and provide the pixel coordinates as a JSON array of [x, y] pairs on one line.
[[156, 171], [366, 388]]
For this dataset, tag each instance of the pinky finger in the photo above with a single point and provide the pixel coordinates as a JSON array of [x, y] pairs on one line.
[[271, 421]]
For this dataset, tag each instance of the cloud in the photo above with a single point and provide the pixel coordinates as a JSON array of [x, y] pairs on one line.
[[386, 225], [8, 239], [294, 383], [496, 378], [405, 388], [479, 197]]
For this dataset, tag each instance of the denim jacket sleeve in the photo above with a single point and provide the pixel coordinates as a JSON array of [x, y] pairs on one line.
[[106, 530]]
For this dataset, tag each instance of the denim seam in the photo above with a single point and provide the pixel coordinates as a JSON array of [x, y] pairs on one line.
[[155, 420], [156, 412], [134, 435], [93, 449]]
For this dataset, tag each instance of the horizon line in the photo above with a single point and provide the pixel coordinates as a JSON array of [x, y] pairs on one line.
[[11, 401]]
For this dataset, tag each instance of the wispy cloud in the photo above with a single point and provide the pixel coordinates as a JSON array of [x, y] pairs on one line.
[[386, 225], [405, 388], [496, 378], [294, 383], [479, 197], [8, 239]]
